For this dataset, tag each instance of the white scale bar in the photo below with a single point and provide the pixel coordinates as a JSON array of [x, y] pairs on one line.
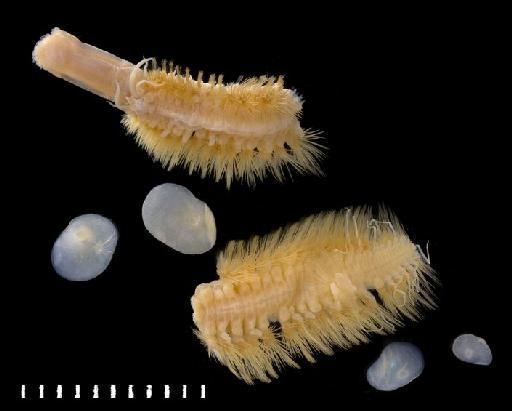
[[113, 391]]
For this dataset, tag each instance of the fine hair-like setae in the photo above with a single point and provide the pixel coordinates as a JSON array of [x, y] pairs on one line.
[[319, 279], [237, 131]]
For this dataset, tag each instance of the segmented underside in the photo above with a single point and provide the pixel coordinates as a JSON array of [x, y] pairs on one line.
[[239, 131], [328, 281]]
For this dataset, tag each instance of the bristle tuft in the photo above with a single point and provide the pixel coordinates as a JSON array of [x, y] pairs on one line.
[[317, 278], [269, 140]]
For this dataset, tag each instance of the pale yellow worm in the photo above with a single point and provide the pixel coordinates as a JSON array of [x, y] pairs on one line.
[[236, 131], [319, 279]]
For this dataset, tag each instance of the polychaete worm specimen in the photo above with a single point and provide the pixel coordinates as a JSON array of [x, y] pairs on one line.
[[328, 281], [236, 131]]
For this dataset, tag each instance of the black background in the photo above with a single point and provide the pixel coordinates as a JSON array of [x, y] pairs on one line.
[[411, 103]]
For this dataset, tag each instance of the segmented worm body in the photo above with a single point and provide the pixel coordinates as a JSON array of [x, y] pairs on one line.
[[241, 131], [319, 280]]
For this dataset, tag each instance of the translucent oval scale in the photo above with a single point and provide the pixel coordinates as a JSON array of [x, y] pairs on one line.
[[85, 248], [398, 364], [174, 216], [472, 349]]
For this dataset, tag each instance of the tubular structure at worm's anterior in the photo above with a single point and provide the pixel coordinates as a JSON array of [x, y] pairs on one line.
[[319, 279], [237, 131]]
